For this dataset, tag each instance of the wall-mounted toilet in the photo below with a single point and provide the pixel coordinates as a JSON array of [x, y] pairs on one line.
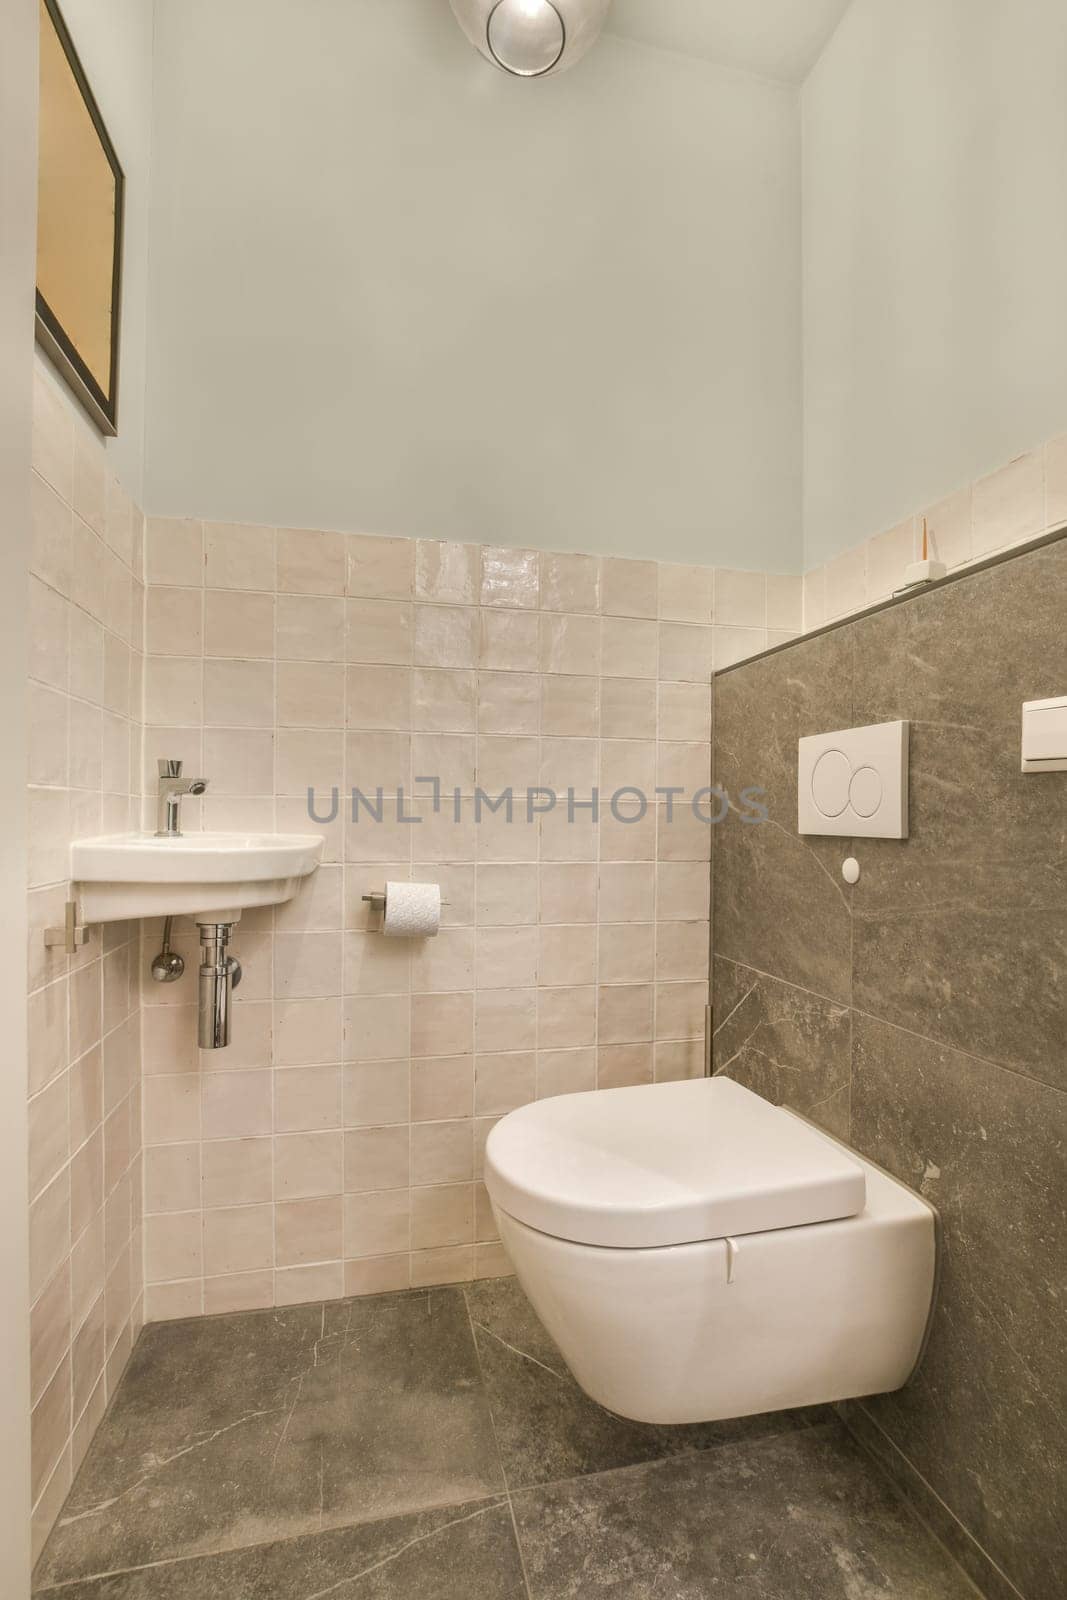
[[698, 1253]]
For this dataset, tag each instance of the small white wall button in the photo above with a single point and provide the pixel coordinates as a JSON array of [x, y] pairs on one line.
[[1045, 735], [850, 870], [854, 783]]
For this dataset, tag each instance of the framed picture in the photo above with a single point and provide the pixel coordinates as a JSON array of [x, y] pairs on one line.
[[79, 228]]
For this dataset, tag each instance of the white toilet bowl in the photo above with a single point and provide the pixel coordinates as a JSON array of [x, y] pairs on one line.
[[698, 1253]]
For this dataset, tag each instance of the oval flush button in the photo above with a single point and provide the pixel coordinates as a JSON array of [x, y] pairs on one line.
[[850, 870], [865, 792], [830, 781]]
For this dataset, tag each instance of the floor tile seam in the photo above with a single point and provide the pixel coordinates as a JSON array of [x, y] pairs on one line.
[[288, 1407], [915, 1512], [485, 1502], [496, 1445], [696, 1452], [110, 1405]]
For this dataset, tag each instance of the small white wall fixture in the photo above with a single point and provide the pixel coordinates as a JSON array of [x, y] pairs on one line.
[[854, 783], [1045, 735], [532, 38]]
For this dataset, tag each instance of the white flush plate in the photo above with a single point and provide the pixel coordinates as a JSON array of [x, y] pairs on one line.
[[854, 783], [1045, 735]]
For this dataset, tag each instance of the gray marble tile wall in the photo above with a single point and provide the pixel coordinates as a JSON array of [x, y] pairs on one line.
[[922, 1015]]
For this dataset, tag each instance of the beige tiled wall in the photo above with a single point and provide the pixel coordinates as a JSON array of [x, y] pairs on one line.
[[85, 610], [999, 512], [335, 1147]]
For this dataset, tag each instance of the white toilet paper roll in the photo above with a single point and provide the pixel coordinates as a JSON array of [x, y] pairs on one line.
[[412, 910]]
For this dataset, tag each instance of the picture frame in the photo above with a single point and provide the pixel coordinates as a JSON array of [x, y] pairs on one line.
[[81, 192]]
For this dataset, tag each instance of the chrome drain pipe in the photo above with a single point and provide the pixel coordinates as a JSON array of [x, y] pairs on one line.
[[219, 976]]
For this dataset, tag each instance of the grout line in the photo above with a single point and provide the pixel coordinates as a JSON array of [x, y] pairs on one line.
[[832, 625], [486, 1503], [496, 1445], [886, 1022], [916, 1510], [816, 994], [957, 1050], [695, 1453]]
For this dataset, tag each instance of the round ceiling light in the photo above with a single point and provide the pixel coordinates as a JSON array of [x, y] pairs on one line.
[[527, 37], [531, 38]]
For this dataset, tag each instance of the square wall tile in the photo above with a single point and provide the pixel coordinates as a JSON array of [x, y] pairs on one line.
[[443, 700], [442, 1215], [310, 562], [509, 703], [845, 580], [949, 528], [309, 694], [570, 582], [1009, 505], [237, 1172], [238, 625], [173, 1247], [815, 598], [307, 1231], [686, 594], [307, 1164], [1056, 482], [174, 690], [785, 602], [629, 588], [508, 641], [630, 648], [570, 644], [377, 1224], [888, 555], [446, 636], [238, 694], [379, 632], [174, 621], [310, 628], [740, 599], [238, 556], [685, 652], [174, 551], [377, 1159], [510, 577], [447, 574], [238, 1239], [381, 568], [375, 1093]]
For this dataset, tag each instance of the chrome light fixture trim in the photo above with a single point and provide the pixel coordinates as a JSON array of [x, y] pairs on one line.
[[511, 20]]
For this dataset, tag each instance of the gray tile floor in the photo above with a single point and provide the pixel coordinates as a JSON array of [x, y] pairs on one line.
[[433, 1445]]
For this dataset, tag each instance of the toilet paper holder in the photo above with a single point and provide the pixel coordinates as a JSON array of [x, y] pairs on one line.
[[376, 898]]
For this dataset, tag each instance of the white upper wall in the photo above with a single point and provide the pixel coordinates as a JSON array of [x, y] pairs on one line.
[[393, 289], [935, 243], [776, 38], [114, 45]]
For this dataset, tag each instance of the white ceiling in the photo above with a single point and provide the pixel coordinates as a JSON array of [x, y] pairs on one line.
[[776, 38]]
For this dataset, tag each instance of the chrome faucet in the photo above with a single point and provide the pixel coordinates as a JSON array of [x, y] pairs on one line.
[[172, 786]]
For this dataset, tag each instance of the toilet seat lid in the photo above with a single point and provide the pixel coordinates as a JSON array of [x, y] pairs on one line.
[[666, 1163]]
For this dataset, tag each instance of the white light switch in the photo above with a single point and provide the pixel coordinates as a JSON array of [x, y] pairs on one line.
[[1045, 735], [855, 782]]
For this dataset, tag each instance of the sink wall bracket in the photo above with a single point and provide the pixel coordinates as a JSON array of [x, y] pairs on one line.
[[72, 936]]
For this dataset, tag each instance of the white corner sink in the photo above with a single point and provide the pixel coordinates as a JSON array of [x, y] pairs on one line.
[[211, 877]]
